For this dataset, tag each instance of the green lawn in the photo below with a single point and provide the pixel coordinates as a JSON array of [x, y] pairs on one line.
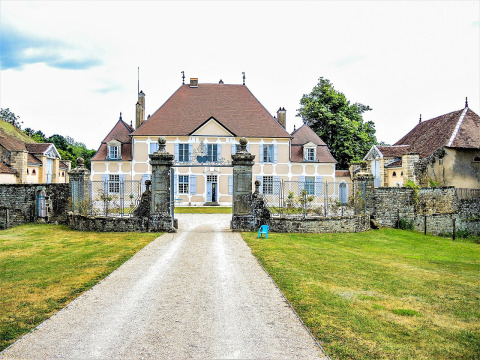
[[386, 294], [203, 210], [44, 267]]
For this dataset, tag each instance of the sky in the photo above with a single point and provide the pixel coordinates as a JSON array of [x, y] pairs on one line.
[[71, 67]]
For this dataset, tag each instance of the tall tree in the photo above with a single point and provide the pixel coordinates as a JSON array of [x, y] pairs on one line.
[[338, 122], [10, 117]]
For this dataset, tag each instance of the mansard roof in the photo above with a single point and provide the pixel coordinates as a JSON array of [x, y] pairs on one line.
[[233, 106], [120, 132], [304, 135], [458, 129]]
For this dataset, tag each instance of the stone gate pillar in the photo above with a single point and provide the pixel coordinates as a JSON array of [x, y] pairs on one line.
[[161, 218], [79, 179], [242, 163]]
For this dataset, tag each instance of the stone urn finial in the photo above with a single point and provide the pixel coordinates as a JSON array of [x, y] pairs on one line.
[[162, 141], [148, 183], [80, 162], [243, 144], [257, 186]]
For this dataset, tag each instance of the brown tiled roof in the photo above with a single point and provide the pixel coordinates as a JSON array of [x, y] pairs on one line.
[[63, 165], [33, 160], [323, 154], [431, 135], [234, 106], [120, 132], [37, 148], [395, 150], [342, 173], [11, 143], [305, 134], [394, 164], [5, 169]]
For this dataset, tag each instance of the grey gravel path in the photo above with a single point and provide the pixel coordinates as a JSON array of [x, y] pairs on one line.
[[197, 294]]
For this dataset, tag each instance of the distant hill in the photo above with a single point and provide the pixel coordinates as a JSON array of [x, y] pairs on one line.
[[8, 130]]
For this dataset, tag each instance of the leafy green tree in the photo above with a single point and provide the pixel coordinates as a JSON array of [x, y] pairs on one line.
[[338, 122], [10, 117]]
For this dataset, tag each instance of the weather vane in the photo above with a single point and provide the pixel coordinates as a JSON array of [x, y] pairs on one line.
[[243, 73], [183, 77]]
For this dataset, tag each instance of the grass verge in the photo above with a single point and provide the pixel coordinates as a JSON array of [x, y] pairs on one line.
[[203, 210], [44, 267], [387, 294]]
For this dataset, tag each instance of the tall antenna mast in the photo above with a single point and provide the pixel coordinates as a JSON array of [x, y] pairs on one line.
[[138, 80]]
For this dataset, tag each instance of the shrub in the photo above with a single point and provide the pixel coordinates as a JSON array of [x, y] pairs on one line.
[[405, 224]]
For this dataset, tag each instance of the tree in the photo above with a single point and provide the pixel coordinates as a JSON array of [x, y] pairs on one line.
[[9, 117], [338, 122]]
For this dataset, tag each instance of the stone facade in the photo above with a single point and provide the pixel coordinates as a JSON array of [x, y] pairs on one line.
[[344, 224], [18, 203]]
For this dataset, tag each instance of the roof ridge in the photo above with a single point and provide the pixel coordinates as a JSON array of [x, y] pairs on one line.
[[457, 127]]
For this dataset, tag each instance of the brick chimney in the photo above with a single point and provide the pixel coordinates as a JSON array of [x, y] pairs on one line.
[[282, 117], [194, 82], [140, 110]]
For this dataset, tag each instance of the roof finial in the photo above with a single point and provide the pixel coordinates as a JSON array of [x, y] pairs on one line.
[[294, 127], [183, 77], [131, 124], [466, 102], [243, 73], [420, 120], [120, 118]]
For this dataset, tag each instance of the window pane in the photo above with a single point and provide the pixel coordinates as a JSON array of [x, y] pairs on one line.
[[183, 184], [310, 185], [267, 153], [212, 152], [183, 154], [268, 185], [113, 183]]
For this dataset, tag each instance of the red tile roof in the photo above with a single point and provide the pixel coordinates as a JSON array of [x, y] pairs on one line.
[[395, 164], [323, 154], [33, 160], [342, 173], [37, 148], [120, 132], [305, 134], [234, 106], [394, 151], [459, 128], [5, 169]]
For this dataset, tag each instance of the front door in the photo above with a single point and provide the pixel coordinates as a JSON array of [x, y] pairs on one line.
[[49, 171], [211, 188], [376, 171]]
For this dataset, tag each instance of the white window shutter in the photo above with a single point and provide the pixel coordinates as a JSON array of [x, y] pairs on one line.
[[175, 182], [248, 147], [260, 178], [193, 184], [219, 152], [230, 184], [261, 153], [276, 185], [176, 152], [105, 183], [275, 153], [234, 149], [318, 185], [190, 151], [121, 177], [145, 177], [301, 183]]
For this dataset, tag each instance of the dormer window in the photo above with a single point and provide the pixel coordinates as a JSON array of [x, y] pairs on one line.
[[309, 152], [114, 150]]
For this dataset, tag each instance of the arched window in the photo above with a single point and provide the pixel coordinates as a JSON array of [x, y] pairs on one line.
[[28, 172], [33, 172], [401, 174], [394, 174]]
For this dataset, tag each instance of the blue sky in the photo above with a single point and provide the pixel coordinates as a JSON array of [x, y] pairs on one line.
[[71, 67]]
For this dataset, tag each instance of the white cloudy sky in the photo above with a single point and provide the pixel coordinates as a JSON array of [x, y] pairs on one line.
[[71, 67]]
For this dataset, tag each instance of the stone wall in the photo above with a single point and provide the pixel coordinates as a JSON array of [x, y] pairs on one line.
[[18, 203], [344, 224], [119, 224]]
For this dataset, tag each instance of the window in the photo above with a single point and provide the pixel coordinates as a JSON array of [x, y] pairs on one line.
[[28, 172], [401, 174], [476, 159], [310, 154], [212, 152], [394, 174], [183, 155], [113, 152], [268, 153], [113, 183], [212, 178], [33, 172], [268, 185], [153, 147], [310, 185], [183, 184]]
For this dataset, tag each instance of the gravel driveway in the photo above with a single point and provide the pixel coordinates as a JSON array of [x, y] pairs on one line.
[[196, 294]]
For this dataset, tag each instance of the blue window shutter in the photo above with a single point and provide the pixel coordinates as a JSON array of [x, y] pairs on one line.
[[276, 185], [121, 177], [193, 184], [175, 182], [230, 184], [190, 151], [261, 153], [301, 183], [145, 177], [318, 185], [260, 178], [219, 152], [234, 149], [176, 152], [275, 153], [105, 183], [153, 147]]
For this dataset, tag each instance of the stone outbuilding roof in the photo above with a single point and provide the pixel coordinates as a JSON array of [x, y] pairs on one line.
[[5, 169], [458, 129], [233, 106], [304, 135]]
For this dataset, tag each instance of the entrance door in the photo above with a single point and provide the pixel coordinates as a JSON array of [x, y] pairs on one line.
[[211, 188], [376, 171], [49, 170]]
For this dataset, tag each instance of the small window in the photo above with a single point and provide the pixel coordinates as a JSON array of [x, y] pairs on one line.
[[268, 185], [113, 183], [28, 172], [310, 154], [401, 174], [113, 153], [310, 185], [183, 184], [34, 172], [183, 155], [476, 159], [394, 174], [212, 152], [268, 153]]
